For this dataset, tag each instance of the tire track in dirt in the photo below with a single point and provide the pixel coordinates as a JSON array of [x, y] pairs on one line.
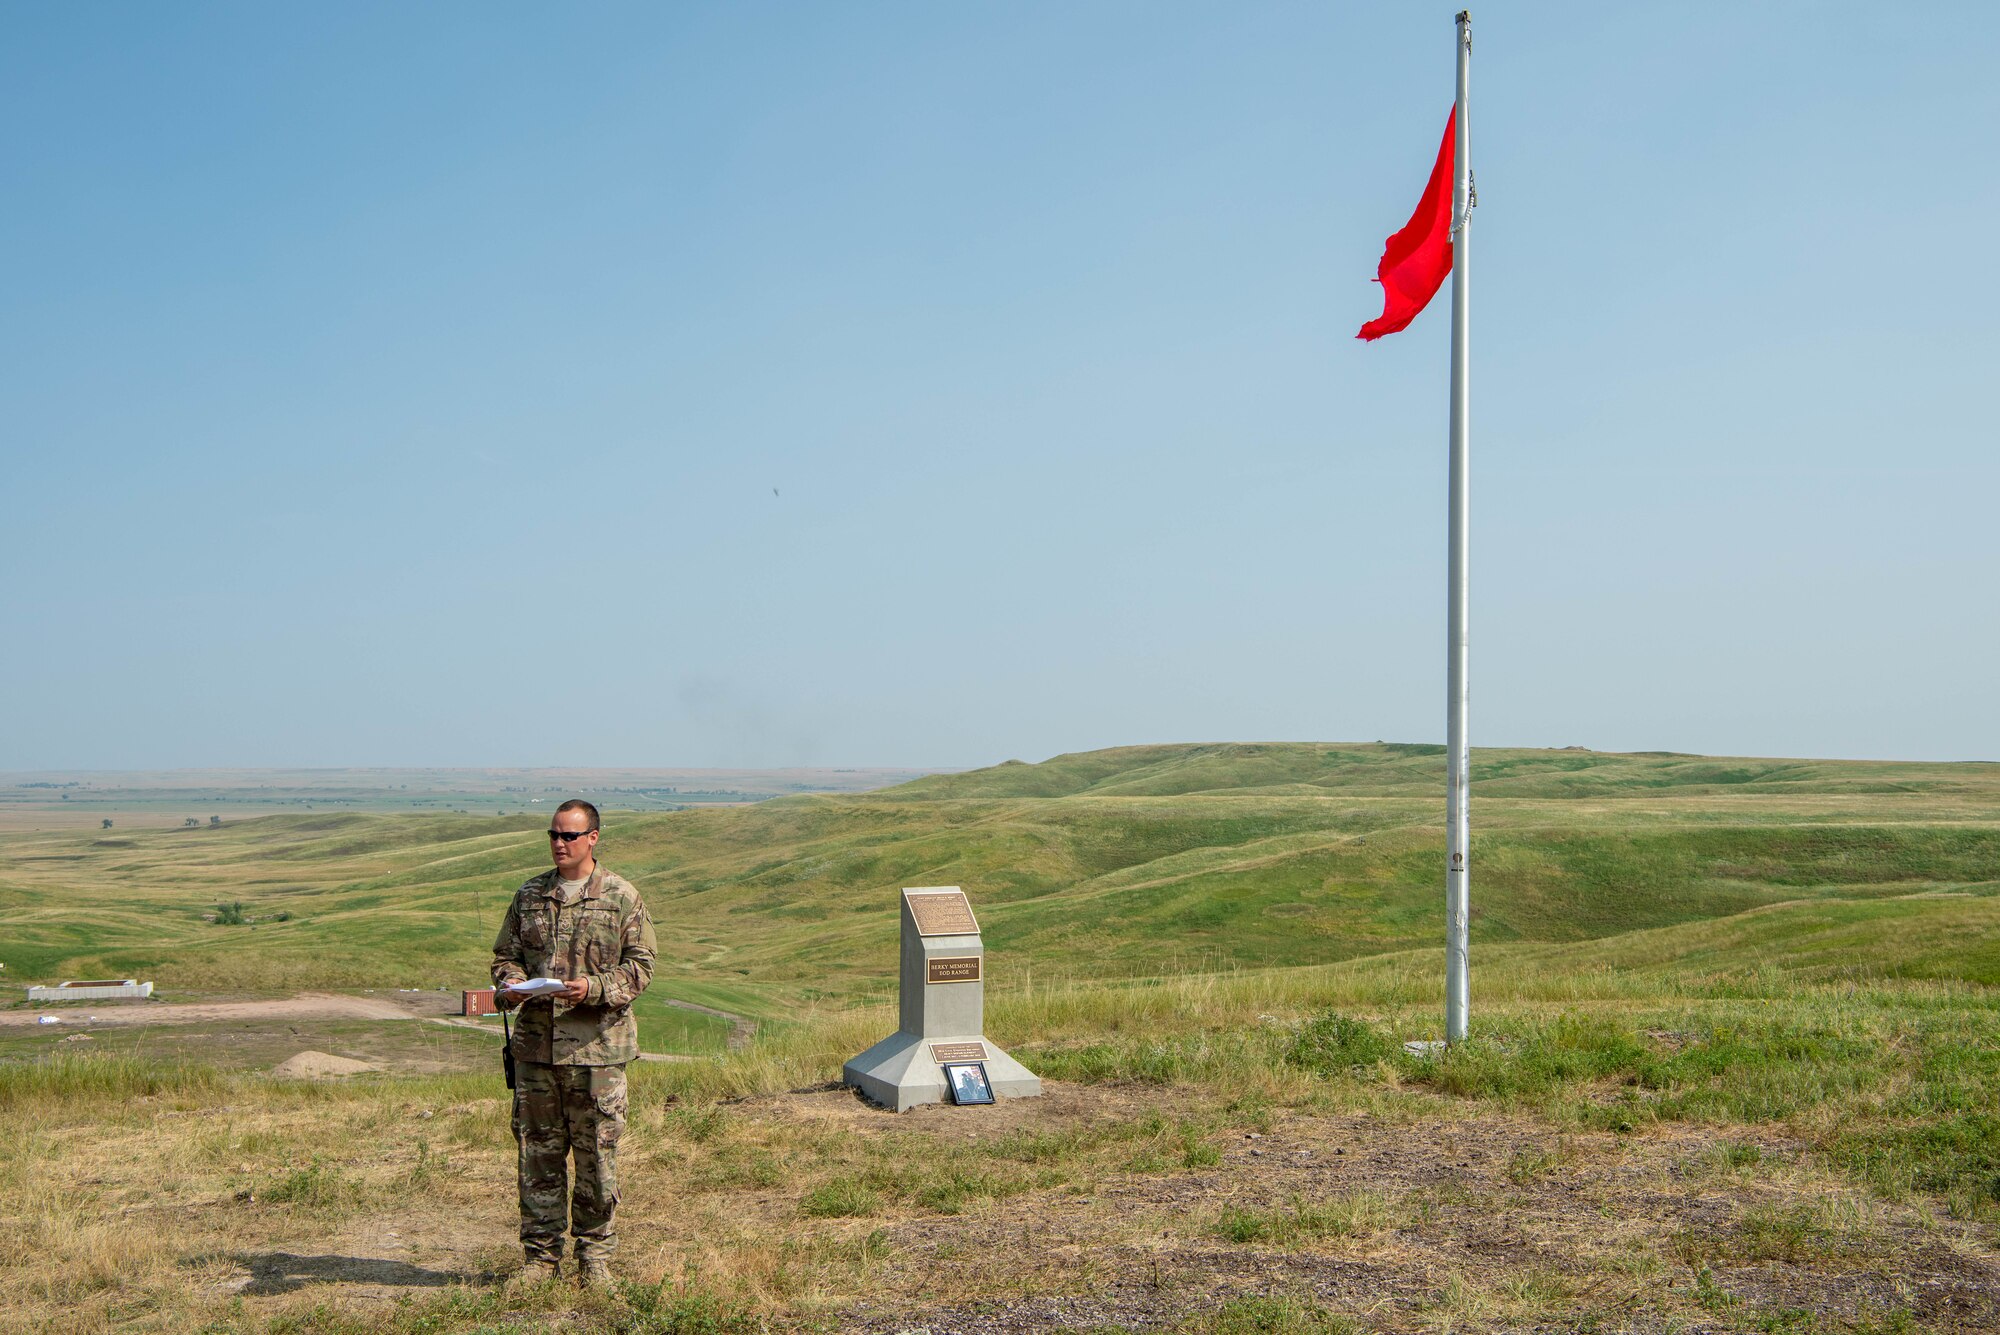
[[306, 1005], [319, 1005]]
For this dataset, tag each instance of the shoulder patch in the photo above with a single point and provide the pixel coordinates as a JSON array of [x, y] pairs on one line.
[[617, 887]]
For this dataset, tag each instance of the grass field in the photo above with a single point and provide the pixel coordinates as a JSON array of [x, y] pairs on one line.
[[1131, 863], [1735, 1061]]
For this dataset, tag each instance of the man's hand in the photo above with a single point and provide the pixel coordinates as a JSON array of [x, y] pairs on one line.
[[506, 1000], [576, 991]]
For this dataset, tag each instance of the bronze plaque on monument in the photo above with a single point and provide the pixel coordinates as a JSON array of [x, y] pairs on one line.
[[958, 1052], [942, 913], [952, 969]]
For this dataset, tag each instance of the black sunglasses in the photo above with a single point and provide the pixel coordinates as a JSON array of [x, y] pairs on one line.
[[569, 836]]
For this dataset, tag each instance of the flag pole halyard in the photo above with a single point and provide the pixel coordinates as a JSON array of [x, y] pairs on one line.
[[1458, 790]]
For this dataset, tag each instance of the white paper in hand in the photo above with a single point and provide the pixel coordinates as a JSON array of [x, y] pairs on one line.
[[537, 987]]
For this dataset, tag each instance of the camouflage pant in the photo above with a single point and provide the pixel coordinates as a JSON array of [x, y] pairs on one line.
[[560, 1111]]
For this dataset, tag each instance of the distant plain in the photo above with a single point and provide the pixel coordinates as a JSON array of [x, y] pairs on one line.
[[1140, 862], [84, 799]]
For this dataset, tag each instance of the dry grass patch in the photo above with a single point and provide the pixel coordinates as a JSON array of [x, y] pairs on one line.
[[1351, 1214], [1369, 1199]]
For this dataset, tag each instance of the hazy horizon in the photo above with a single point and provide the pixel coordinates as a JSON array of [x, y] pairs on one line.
[[8, 776]]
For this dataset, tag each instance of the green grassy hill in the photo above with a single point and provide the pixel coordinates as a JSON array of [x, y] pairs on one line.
[[1733, 1059], [1384, 769], [1133, 862]]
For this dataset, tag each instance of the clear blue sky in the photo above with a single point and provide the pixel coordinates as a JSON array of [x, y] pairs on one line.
[[392, 384]]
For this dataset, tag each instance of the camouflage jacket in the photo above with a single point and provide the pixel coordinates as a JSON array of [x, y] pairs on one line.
[[601, 933]]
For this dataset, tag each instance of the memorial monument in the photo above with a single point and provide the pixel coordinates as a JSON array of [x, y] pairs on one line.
[[941, 1014]]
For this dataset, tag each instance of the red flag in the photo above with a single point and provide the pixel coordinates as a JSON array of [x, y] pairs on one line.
[[1416, 259]]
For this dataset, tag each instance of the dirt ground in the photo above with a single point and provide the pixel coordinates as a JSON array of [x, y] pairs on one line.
[[1613, 1197], [1488, 1225]]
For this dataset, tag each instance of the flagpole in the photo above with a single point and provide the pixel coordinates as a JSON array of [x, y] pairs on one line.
[[1458, 794]]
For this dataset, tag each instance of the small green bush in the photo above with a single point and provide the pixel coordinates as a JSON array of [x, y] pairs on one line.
[[1273, 1316], [1739, 1154], [681, 1309], [841, 1198], [698, 1124], [1353, 1215], [1954, 1156], [1332, 1043], [1198, 1153], [1528, 1166], [1573, 1049], [317, 1186], [953, 1188], [734, 1165], [1239, 1225]]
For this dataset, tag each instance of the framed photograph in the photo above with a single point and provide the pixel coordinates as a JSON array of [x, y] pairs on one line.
[[968, 1082]]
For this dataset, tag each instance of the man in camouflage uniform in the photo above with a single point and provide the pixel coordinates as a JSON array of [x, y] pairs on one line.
[[580, 923]]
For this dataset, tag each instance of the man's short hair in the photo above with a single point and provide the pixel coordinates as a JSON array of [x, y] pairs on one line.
[[578, 804]]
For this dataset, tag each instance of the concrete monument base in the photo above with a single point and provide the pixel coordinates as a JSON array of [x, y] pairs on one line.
[[941, 1010], [900, 1073]]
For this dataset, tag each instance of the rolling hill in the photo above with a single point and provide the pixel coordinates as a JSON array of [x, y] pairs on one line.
[[1132, 862]]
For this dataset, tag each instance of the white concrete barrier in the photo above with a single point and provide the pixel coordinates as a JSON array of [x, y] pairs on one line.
[[101, 989]]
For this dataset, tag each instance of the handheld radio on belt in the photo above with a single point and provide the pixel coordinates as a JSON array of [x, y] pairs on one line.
[[507, 1050]]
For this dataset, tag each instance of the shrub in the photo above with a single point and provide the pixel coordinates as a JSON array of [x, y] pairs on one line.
[[1275, 1316], [1331, 1043], [697, 1124], [681, 1309], [317, 1186], [1573, 1049], [954, 1187], [841, 1198], [1356, 1214], [1954, 1156], [1197, 1152]]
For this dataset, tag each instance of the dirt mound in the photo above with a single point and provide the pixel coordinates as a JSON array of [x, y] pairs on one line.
[[310, 1065]]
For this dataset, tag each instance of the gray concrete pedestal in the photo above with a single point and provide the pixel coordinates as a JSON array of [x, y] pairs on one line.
[[940, 1012]]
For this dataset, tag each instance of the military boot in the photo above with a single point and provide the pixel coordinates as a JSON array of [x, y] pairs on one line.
[[536, 1270], [593, 1272]]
